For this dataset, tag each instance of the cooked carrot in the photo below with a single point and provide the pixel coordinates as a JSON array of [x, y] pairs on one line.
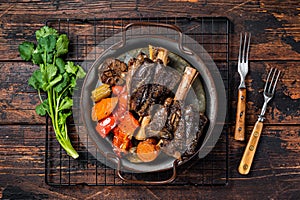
[[104, 108], [147, 151]]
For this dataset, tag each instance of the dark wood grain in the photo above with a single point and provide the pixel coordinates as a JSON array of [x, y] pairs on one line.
[[18, 100], [280, 40], [274, 25], [22, 169], [285, 101]]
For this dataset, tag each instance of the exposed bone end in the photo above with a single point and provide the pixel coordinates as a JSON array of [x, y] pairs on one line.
[[187, 80], [158, 53], [141, 134]]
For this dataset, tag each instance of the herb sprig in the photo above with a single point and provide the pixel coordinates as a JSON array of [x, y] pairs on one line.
[[56, 77]]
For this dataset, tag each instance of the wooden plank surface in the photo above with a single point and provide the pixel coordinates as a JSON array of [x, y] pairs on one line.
[[276, 166], [277, 24], [275, 28], [18, 100]]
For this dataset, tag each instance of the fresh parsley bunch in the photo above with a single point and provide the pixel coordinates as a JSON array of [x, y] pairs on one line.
[[56, 77]]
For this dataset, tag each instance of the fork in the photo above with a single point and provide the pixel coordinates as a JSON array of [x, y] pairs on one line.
[[251, 147], [239, 133]]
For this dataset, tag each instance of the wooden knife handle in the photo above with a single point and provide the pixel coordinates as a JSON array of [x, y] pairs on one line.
[[239, 133], [249, 152]]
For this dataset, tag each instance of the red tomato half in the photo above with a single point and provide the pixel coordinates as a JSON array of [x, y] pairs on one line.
[[104, 126]]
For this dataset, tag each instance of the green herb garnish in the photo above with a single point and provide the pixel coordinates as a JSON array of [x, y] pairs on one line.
[[56, 77]]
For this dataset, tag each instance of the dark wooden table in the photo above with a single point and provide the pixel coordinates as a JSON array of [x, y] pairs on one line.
[[275, 28]]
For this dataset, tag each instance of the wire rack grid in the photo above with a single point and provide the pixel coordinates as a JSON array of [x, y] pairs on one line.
[[84, 35]]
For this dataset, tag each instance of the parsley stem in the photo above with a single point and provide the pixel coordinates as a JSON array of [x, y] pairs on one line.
[[50, 104], [39, 94]]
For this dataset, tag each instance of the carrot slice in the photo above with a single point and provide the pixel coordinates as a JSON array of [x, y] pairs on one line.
[[104, 108], [147, 151]]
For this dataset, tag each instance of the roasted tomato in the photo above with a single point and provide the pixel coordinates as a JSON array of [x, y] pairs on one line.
[[118, 90], [128, 124], [104, 126], [121, 107], [121, 140]]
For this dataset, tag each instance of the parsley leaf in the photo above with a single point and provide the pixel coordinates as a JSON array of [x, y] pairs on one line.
[[37, 57], [48, 43], [36, 79], [51, 71], [44, 32], [62, 84], [71, 68], [42, 108], [26, 49], [62, 45], [80, 73], [60, 63], [66, 103]]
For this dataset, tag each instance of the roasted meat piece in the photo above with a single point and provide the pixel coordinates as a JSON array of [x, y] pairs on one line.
[[176, 125], [187, 134], [166, 76], [143, 75], [174, 115], [192, 140], [146, 96], [154, 73], [152, 83], [133, 65]]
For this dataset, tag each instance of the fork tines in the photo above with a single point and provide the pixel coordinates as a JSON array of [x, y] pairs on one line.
[[270, 88], [244, 43]]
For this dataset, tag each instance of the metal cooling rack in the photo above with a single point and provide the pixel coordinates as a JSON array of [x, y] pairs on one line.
[[60, 169]]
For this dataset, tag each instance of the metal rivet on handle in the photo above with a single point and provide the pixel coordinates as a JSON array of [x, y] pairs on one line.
[[251, 148], [241, 114], [245, 166]]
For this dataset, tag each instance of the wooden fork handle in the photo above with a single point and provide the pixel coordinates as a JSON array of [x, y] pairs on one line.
[[239, 132], [250, 150]]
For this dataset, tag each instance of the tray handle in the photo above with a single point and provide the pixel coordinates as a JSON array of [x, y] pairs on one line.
[[144, 182], [171, 26]]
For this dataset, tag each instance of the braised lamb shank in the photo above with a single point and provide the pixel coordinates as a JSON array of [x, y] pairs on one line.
[[157, 98]]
